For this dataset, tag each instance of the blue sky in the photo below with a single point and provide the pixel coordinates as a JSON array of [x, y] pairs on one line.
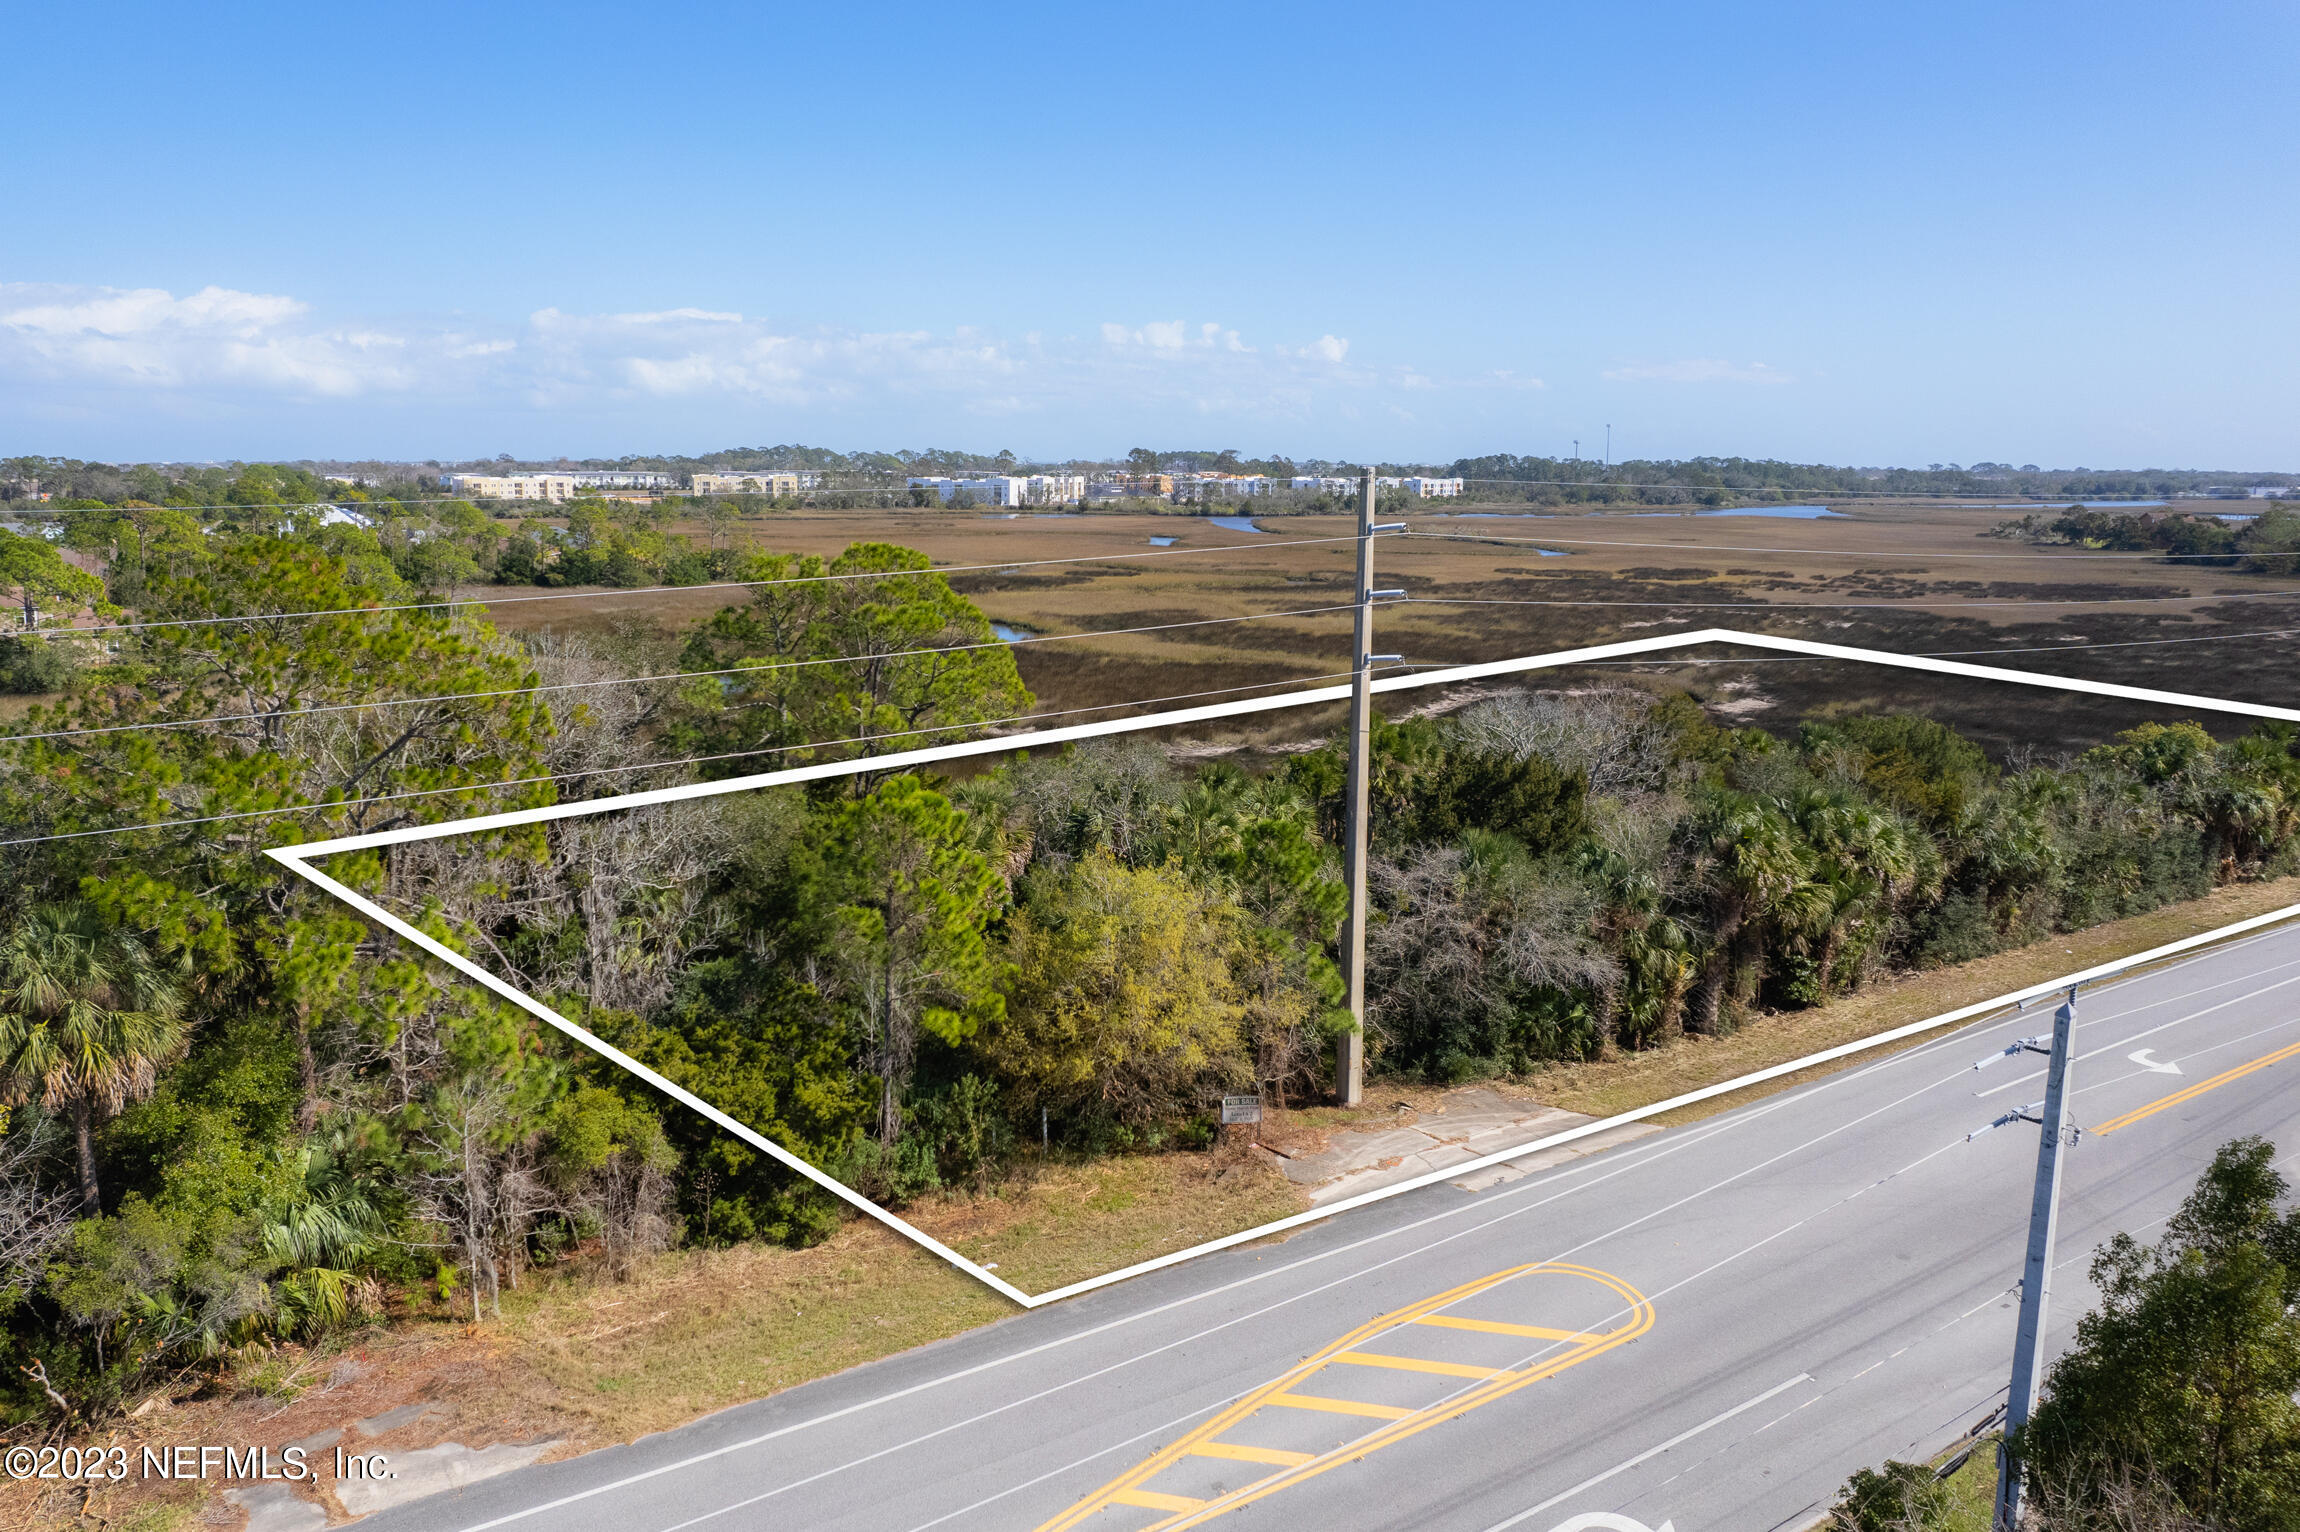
[[2051, 233]]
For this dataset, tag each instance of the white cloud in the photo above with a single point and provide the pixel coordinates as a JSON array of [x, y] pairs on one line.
[[142, 310], [1697, 370], [128, 352], [668, 316], [149, 337]]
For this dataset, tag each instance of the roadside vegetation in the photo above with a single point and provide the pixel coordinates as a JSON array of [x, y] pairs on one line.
[[2174, 1410], [238, 1121]]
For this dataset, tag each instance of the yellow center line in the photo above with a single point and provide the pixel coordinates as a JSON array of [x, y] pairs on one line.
[[1338, 1406], [1420, 1364], [1151, 1500], [1276, 1456], [1389, 1423], [2198, 1089], [1497, 1327]]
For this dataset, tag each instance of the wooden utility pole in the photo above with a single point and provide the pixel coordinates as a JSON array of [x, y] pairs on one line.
[[1350, 1051]]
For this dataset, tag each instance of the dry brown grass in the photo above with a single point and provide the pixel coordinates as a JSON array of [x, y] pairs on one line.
[[1069, 1221], [1627, 576], [591, 1363]]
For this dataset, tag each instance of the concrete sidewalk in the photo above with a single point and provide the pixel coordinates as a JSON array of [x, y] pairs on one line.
[[1467, 1124]]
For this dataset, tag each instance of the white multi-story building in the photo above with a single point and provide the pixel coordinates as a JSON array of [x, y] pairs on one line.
[[753, 481], [554, 487], [1054, 488], [1220, 486], [1431, 489], [998, 489], [617, 478]]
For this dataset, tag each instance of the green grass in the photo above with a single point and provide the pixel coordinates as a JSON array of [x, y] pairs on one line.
[[1973, 1489]]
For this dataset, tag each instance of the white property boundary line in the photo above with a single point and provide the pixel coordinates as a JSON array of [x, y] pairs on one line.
[[297, 858]]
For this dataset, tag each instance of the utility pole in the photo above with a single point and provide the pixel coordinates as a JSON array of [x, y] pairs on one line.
[[2051, 1115], [1609, 444], [1350, 1050]]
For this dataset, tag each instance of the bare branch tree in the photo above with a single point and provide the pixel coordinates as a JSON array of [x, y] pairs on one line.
[[34, 1221]]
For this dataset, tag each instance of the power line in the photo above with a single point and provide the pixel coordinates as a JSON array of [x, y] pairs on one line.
[[1043, 638], [1847, 553], [1950, 654], [1819, 492], [1094, 558], [1823, 493], [677, 675], [1839, 606], [657, 590], [693, 760], [43, 508], [1022, 718]]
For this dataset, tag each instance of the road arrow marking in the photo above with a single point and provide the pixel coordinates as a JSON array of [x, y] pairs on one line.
[[2141, 1057], [1609, 1521]]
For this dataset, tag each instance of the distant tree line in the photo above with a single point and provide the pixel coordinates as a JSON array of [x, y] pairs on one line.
[[1701, 481], [2265, 543]]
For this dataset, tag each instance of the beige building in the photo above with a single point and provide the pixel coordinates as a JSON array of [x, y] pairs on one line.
[[554, 487], [1055, 488]]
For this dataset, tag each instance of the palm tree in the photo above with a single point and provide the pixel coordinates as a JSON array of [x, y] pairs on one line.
[[1757, 876], [86, 1017], [1866, 860]]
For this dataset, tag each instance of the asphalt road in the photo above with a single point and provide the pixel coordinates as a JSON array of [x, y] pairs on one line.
[[1720, 1322]]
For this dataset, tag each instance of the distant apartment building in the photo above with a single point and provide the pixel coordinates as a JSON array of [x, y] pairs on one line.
[[617, 478], [1431, 489], [997, 489], [1054, 488], [757, 481], [1220, 486], [1132, 486], [554, 487]]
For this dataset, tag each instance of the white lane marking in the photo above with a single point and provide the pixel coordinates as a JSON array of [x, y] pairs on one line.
[[2141, 1057], [1689, 1141], [1646, 1456], [2177, 1021], [1613, 1233], [1077, 1463], [1607, 1521], [1598, 1172], [2206, 1051], [2099, 973]]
